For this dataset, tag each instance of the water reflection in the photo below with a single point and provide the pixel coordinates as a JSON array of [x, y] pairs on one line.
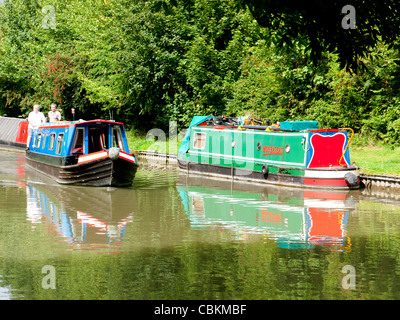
[[294, 218], [81, 215]]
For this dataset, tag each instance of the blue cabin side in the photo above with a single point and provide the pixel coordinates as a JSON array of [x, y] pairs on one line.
[[78, 138], [51, 140]]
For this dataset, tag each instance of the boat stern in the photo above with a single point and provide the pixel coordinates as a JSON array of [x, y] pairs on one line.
[[332, 178], [328, 160]]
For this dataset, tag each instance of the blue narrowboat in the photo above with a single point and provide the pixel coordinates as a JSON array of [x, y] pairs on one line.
[[89, 153]]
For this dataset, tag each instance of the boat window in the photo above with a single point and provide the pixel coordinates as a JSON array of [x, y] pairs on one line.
[[78, 145], [103, 144], [44, 141], [38, 140], [59, 143], [117, 138], [52, 140], [199, 140], [98, 138]]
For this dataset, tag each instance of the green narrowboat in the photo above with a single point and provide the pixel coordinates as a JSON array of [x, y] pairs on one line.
[[291, 153]]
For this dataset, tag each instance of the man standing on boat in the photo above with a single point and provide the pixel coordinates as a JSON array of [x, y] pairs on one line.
[[53, 114], [35, 119]]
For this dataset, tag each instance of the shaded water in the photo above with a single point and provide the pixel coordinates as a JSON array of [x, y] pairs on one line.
[[173, 236]]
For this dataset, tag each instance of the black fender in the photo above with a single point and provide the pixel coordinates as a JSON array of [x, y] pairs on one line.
[[265, 170]]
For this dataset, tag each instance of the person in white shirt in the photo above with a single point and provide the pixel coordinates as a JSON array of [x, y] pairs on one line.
[[35, 119], [53, 114]]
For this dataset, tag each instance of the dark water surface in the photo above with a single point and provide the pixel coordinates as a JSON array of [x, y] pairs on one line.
[[173, 236]]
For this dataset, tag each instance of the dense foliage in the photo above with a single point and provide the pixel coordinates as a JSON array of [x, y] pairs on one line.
[[319, 25], [146, 66]]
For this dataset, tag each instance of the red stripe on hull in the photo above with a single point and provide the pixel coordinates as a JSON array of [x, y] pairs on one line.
[[325, 182], [127, 156], [92, 157]]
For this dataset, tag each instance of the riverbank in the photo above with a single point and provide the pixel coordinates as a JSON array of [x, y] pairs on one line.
[[377, 159]]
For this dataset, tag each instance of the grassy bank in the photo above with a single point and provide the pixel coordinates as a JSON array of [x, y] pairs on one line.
[[137, 141], [380, 159], [372, 157]]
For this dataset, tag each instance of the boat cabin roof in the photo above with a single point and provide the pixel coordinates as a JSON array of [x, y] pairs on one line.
[[65, 124], [221, 123], [66, 138]]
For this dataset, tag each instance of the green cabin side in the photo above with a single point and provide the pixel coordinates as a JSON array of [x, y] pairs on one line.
[[248, 149]]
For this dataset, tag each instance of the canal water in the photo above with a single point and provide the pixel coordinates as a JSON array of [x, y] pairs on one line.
[[177, 236]]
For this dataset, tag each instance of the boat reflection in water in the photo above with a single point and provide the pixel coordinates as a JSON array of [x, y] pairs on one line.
[[294, 218], [81, 215]]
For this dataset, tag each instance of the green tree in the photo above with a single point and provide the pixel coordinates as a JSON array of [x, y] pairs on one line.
[[318, 25]]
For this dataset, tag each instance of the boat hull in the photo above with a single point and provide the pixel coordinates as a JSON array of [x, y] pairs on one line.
[[100, 172], [319, 178]]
